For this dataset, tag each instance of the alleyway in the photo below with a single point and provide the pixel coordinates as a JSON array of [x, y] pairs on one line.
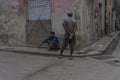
[[14, 66]]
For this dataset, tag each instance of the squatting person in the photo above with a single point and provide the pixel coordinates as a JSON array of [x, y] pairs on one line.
[[52, 42]]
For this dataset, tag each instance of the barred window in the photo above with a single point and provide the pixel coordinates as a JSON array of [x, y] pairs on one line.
[[38, 9]]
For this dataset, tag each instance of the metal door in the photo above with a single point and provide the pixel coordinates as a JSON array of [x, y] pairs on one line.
[[38, 21]]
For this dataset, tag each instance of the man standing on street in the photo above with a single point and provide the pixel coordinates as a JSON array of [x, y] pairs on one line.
[[70, 27]]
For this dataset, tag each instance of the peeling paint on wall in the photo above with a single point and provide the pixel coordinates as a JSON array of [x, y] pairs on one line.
[[12, 22]]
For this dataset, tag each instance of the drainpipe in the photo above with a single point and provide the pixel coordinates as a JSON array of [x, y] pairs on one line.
[[105, 17]]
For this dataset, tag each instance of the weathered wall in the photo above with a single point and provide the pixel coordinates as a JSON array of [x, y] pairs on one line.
[[99, 19], [82, 14], [59, 10], [12, 22], [109, 16], [90, 16], [102, 17], [85, 28]]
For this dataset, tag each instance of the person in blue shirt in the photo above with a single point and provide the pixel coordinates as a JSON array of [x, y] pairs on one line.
[[52, 42]]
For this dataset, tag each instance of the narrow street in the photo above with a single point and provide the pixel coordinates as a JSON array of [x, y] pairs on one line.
[[14, 66], [30, 29]]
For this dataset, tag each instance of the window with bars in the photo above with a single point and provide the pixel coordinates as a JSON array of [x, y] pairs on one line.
[[39, 9]]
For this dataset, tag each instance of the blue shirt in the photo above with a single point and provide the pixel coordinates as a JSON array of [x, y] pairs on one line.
[[51, 39]]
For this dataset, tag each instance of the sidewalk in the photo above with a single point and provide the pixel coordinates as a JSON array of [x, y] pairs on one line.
[[104, 46]]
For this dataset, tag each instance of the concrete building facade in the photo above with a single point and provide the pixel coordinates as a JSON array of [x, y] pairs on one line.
[[110, 18], [28, 22], [12, 22], [90, 15]]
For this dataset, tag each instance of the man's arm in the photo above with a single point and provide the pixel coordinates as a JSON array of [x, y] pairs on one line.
[[75, 29], [46, 40]]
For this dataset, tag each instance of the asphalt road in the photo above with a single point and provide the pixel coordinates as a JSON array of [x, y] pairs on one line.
[[14, 66]]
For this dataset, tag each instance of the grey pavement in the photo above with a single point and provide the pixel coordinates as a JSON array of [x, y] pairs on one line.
[[102, 46], [14, 66], [116, 52], [33, 67], [18, 66]]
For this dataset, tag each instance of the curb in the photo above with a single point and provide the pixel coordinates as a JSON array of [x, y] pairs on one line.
[[51, 54], [112, 45], [105, 46], [108, 48]]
